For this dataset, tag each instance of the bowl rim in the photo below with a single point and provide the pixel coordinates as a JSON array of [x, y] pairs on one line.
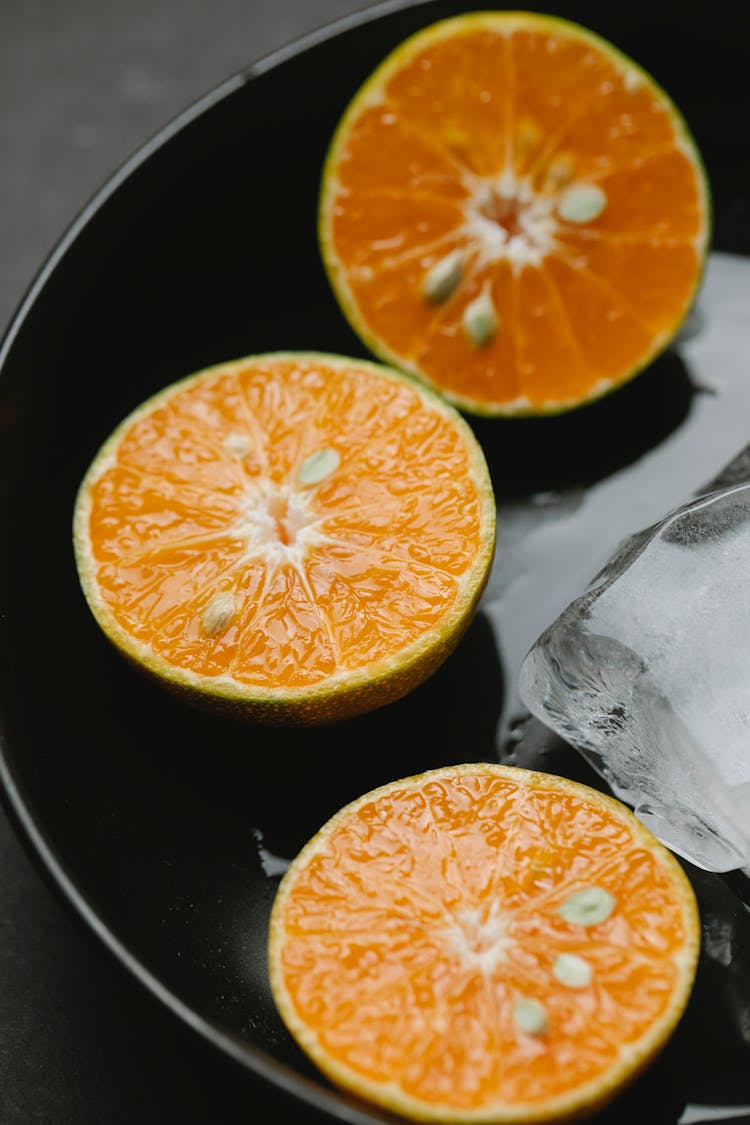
[[337, 1105]]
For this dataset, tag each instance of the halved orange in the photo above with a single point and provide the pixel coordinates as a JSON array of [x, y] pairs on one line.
[[294, 537], [483, 944], [514, 211]]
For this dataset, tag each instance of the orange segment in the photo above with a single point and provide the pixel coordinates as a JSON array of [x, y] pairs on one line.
[[623, 120], [651, 276], [442, 347], [286, 642], [385, 228], [607, 330], [428, 948], [430, 90], [484, 148], [636, 195], [557, 79], [548, 349], [387, 154], [380, 294], [299, 536]]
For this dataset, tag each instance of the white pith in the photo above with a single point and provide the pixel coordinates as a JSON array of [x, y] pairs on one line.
[[533, 214], [277, 524], [480, 942]]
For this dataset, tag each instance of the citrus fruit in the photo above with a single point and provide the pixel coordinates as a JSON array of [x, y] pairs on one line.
[[483, 943], [293, 537], [514, 211]]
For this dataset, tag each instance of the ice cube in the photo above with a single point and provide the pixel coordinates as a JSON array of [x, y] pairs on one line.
[[648, 675]]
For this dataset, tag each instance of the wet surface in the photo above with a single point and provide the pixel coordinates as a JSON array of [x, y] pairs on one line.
[[570, 489], [173, 825]]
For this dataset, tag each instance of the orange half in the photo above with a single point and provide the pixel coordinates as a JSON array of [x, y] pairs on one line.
[[483, 944], [294, 537], [515, 212]]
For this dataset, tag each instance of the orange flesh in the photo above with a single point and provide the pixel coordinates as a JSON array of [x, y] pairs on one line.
[[428, 912], [203, 498], [456, 114]]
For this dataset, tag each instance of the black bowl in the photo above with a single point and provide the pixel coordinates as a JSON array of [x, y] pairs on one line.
[[165, 829]]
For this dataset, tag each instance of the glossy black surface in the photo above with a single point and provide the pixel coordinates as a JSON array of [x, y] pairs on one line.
[[162, 825]]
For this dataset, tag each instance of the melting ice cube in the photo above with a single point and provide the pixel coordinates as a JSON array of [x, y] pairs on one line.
[[648, 675]]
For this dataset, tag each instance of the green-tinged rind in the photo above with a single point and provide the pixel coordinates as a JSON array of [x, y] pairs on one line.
[[574, 1106], [337, 697], [371, 88]]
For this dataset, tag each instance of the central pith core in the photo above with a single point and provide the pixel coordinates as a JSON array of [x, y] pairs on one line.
[[505, 218], [505, 212], [288, 516], [480, 939], [277, 523]]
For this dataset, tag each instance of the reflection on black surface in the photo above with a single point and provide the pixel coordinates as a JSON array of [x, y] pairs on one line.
[[536, 747], [579, 448], [286, 781], [169, 800], [449, 719]]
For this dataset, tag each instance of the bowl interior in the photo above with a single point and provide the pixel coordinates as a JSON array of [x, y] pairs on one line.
[[171, 827]]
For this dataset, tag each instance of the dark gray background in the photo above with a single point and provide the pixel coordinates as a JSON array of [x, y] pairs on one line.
[[82, 84]]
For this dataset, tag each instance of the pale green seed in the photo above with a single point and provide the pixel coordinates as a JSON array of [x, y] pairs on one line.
[[217, 615], [530, 1016], [588, 906], [480, 319], [318, 466], [581, 203], [572, 971], [442, 279]]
